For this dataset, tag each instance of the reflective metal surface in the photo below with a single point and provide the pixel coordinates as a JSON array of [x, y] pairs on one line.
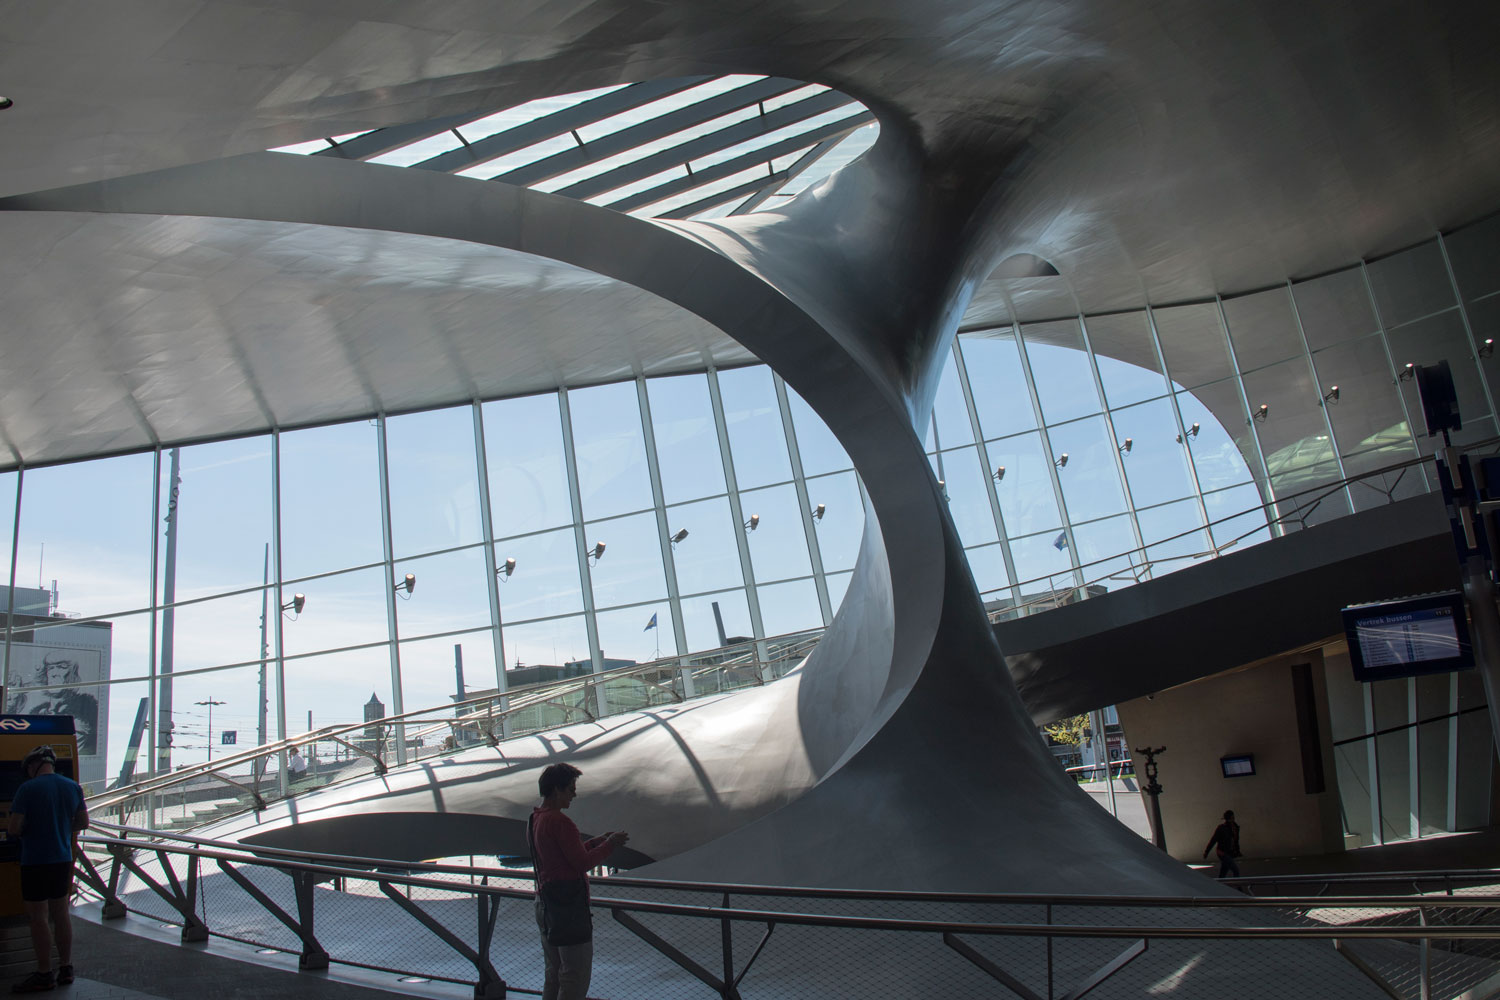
[[1149, 155], [126, 329]]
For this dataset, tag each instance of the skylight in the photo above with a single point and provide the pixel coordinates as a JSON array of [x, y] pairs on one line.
[[695, 147]]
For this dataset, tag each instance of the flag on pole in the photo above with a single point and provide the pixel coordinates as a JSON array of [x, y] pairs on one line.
[[651, 624], [1061, 541]]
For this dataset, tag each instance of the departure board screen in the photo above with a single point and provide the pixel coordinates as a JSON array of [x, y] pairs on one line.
[[1418, 635]]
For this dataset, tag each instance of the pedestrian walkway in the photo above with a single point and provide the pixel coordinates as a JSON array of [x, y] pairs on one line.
[[137, 959]]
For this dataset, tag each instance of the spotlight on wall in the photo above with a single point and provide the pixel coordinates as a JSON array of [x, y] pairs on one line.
[[1192, 432], [999, 475], [1262, 411], [753, 523], [296, 604], [1129, 444], [1487, 348], [1408, 373], [1062, 461], [506, 568], [819, 511], [681, 534], [407, 583], [596, 553], [1332, 395]]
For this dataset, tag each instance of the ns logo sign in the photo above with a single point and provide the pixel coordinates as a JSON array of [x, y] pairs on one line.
[[15, 725]]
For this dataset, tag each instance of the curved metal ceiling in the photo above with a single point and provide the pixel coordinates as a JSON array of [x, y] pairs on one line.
[[1149, 155]]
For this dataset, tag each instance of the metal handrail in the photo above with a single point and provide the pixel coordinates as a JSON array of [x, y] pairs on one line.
[[360, 867], [1302, 502], [307, 870], [520, 698]]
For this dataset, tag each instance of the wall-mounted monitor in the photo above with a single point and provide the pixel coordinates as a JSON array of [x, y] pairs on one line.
[[1239, 765], [1411, 636]]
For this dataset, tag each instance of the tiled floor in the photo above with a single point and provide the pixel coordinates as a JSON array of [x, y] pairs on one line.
[[91, 989], [115, 964]]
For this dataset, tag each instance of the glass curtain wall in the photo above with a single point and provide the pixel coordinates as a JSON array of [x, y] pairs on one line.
[[1083, 454], [658, 517], [292, 581]]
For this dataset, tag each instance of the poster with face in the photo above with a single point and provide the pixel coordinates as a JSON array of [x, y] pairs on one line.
[[58, 680]]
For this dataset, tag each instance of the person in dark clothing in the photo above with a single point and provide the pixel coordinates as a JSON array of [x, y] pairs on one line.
[[562, 860], [1226, 842], [47, 814]]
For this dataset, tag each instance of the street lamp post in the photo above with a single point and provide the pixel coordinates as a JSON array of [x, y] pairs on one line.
[[210, 703], [1153, 791]]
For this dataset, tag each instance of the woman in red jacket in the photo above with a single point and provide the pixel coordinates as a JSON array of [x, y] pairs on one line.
[[562, 860]]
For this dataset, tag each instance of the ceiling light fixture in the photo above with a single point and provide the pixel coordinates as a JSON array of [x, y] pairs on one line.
[[819, 511], [1262, 411], [1408, 373], [999, 475], [1487, 348], [1332, 395], [6, 102], [596, 553], [753, 523], [1062, 461], [1192, 433], [407, 583], [681, 534], [1129, 444], [506, 568], [295, 605]]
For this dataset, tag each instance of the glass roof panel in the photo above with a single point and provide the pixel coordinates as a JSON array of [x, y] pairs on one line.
[[521, 114], [644, 184], [747, 154], [303, 148], [520, 158], [317, 145], [686, 198], [793, 96], [422, 149], [673, 102], [646, 149], [773, 137]]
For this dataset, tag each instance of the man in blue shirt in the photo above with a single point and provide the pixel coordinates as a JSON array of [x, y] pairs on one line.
[[46, 814]]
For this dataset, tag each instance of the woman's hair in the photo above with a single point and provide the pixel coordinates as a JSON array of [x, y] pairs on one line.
[[555, 777]]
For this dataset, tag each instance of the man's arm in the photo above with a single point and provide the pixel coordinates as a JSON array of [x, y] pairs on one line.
[[81, 819], [14, 824]]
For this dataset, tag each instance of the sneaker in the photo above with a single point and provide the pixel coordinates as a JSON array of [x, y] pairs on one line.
[[37, 982], [65, 975]]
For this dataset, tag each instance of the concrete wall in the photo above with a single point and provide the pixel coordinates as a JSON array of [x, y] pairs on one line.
[[1251, 710]]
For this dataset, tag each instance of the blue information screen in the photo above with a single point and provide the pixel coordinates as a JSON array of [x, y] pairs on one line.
[[1416, 635], [1408, 637]]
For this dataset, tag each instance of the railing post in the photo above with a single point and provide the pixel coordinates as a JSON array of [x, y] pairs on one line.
[[726, 941], [313, 956], [113, 909], [1425, 982], [1049, 953], [193, 930]]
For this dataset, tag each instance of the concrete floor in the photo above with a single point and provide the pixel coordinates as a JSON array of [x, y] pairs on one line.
[[137, 959]]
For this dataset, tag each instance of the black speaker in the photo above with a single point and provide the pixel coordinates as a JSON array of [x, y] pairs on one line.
[[1439, 399]]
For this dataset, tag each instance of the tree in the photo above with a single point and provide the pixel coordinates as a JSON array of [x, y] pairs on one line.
[[1068, 731]]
